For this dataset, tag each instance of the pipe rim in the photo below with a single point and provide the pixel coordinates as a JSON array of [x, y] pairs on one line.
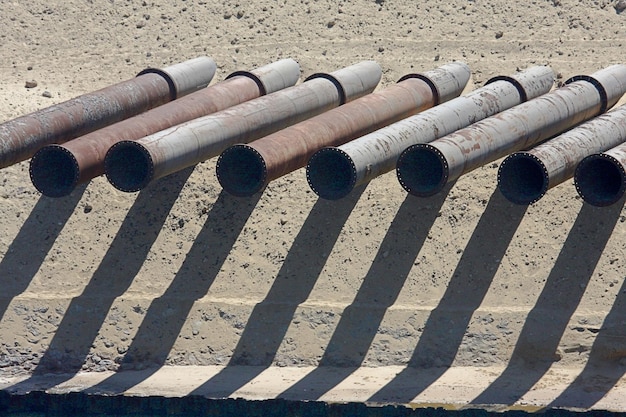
[[590, 180], [54, 171], [331, 173], [128, 166], [241, 170], [523, 178], [414, 178]]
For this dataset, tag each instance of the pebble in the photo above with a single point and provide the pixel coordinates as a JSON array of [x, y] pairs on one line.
[[499, 34], [30, 84], [47, 94], [620, 6]]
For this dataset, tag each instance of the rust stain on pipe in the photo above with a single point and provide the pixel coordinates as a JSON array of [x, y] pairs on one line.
[[333, 172], [20, 138], [244, 170], [131, 165], [424, 169], [525, 177], [56, 170]]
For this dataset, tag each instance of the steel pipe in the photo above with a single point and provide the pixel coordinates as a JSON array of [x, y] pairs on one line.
[[131, 165], [56, 170], [600, 178], [333, 172], [20, 138], [525, 177], [244, 170], [424, 169]]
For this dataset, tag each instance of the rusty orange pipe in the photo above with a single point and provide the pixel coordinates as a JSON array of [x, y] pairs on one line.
[[56, 170], [20, 138]]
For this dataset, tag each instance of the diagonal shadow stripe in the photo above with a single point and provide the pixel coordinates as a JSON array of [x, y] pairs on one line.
[[536, 347], [444, 330], [84, 316], [167, 314], [30, 247], [379, 290], [270, 319], [604, 368]]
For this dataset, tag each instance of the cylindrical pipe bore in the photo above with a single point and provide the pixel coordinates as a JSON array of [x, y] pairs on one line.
[[525, 177], [20, 138], [518, 128], [243, 170], [376, 153], [190, 143], [88, 151]]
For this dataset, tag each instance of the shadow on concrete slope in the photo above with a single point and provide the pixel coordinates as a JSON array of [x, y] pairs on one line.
[[158, 331], [30, 247], [444, 330], [380, 288], [270, 319], [86, 313]]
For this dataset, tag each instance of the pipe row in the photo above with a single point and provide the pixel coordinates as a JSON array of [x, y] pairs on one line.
[[20, 138], [424, 169], [56, 170], [525, 177], [132, 165], [600, 178], [333, 172], [244, 170]]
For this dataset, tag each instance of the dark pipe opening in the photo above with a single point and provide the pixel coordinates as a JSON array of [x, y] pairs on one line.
[[128, 166], [422, 170], [241, 171], [600, 180], [522, 178], [54, 171], [331, 173]]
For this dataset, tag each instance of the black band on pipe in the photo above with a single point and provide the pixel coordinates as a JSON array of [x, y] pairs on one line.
[[335, 81], [520, 88], [253, 77], [428, 81], [598, 85], [168, 78]]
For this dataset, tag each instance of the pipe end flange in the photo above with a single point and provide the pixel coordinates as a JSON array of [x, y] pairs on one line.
[[523, 178], [241, 170], [128, 166], [422, 170], [600, 180], [54, 171], [331, 173]]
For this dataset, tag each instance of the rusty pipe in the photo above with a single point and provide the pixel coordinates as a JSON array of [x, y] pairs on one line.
[[525, 177], [424, 169], [131, 165], [56, 170], [20, 138], [244, 170], [333, 172], [600, 178]]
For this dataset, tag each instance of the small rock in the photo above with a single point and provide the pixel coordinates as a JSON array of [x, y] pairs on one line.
[[30, 84], [620, 6], [499, 34], [437, 57], [87, 208], [47, 94], [29, 68], [330, 24]]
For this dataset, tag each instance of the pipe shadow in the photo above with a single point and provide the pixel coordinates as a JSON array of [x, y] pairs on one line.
[[270, 319], [446, 325], [86, 313], [30, 247], [605, 366], [167, 314], [360, 321], [536, 347]]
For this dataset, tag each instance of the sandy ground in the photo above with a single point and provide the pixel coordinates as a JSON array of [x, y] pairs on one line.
[[184, 274]]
